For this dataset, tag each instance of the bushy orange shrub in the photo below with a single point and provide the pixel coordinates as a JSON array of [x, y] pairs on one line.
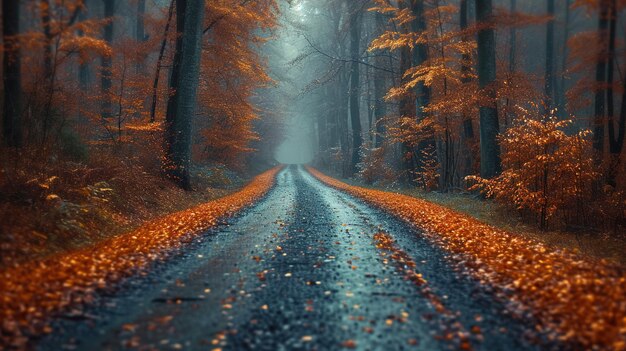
[[545, 170]]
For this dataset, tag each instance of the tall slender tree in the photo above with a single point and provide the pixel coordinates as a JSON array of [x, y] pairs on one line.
[[468, 128], [12, 123], [355, 115], [159, 62], [182, 103], [379, 87], [549, 74], [560, 95], [601, 79], [490, 164], [140, 30], [424, 154], [107, 60], [512, 40]]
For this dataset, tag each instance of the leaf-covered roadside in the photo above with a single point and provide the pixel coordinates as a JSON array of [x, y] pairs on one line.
[[34, 291], [574, 299]]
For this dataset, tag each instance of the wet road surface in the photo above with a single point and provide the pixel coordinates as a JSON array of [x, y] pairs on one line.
[[299, 270]]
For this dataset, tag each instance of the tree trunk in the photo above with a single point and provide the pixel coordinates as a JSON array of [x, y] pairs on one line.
[[355, 115], [513, 40], [489, 125], [420, 54], [509, 115], [11, 123], [140, 32], [407, 108], [564, 52], [45, 7], [468, 125], [549, 74], [616, 138], [106, 61], [468, 128], [178, 129], [343, 98], [83, 69], [157, 75], [600, 94], [422, 92], [322, 129], [610, 108], [379, 89]]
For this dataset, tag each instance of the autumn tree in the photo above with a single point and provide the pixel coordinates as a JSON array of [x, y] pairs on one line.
[[233, 71]]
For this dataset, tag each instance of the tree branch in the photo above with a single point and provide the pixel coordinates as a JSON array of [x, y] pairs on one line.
[[219, 18], [345, 60]]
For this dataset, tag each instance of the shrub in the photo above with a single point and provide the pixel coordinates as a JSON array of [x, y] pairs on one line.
[[545, 170]]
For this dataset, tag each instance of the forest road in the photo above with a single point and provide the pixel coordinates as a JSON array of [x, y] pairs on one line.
[[299, 270]]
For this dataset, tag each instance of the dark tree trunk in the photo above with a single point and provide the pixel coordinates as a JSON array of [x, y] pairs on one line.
[[468, 124], [83, 69], [179, 123], [140, 32], [489, 125], [48, 64], [106, 61], [422, 92], [47, 49], [468, 128], [509, 113], [157, 74], [322, 127], [420, 54], [513, 40], [616, 137], [407, 108], [549, 74], [332, 117], [564, 52], [11, 123], [355, 115], [601, 73], [379, 89], [343, 115], [610, 108]]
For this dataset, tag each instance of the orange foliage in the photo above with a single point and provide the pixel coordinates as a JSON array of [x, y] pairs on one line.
[[574, 300], [545, 170], [232, 71], [34, 291]]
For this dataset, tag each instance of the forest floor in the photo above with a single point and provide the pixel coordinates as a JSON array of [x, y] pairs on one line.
[[587, 241], [62, 206]]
